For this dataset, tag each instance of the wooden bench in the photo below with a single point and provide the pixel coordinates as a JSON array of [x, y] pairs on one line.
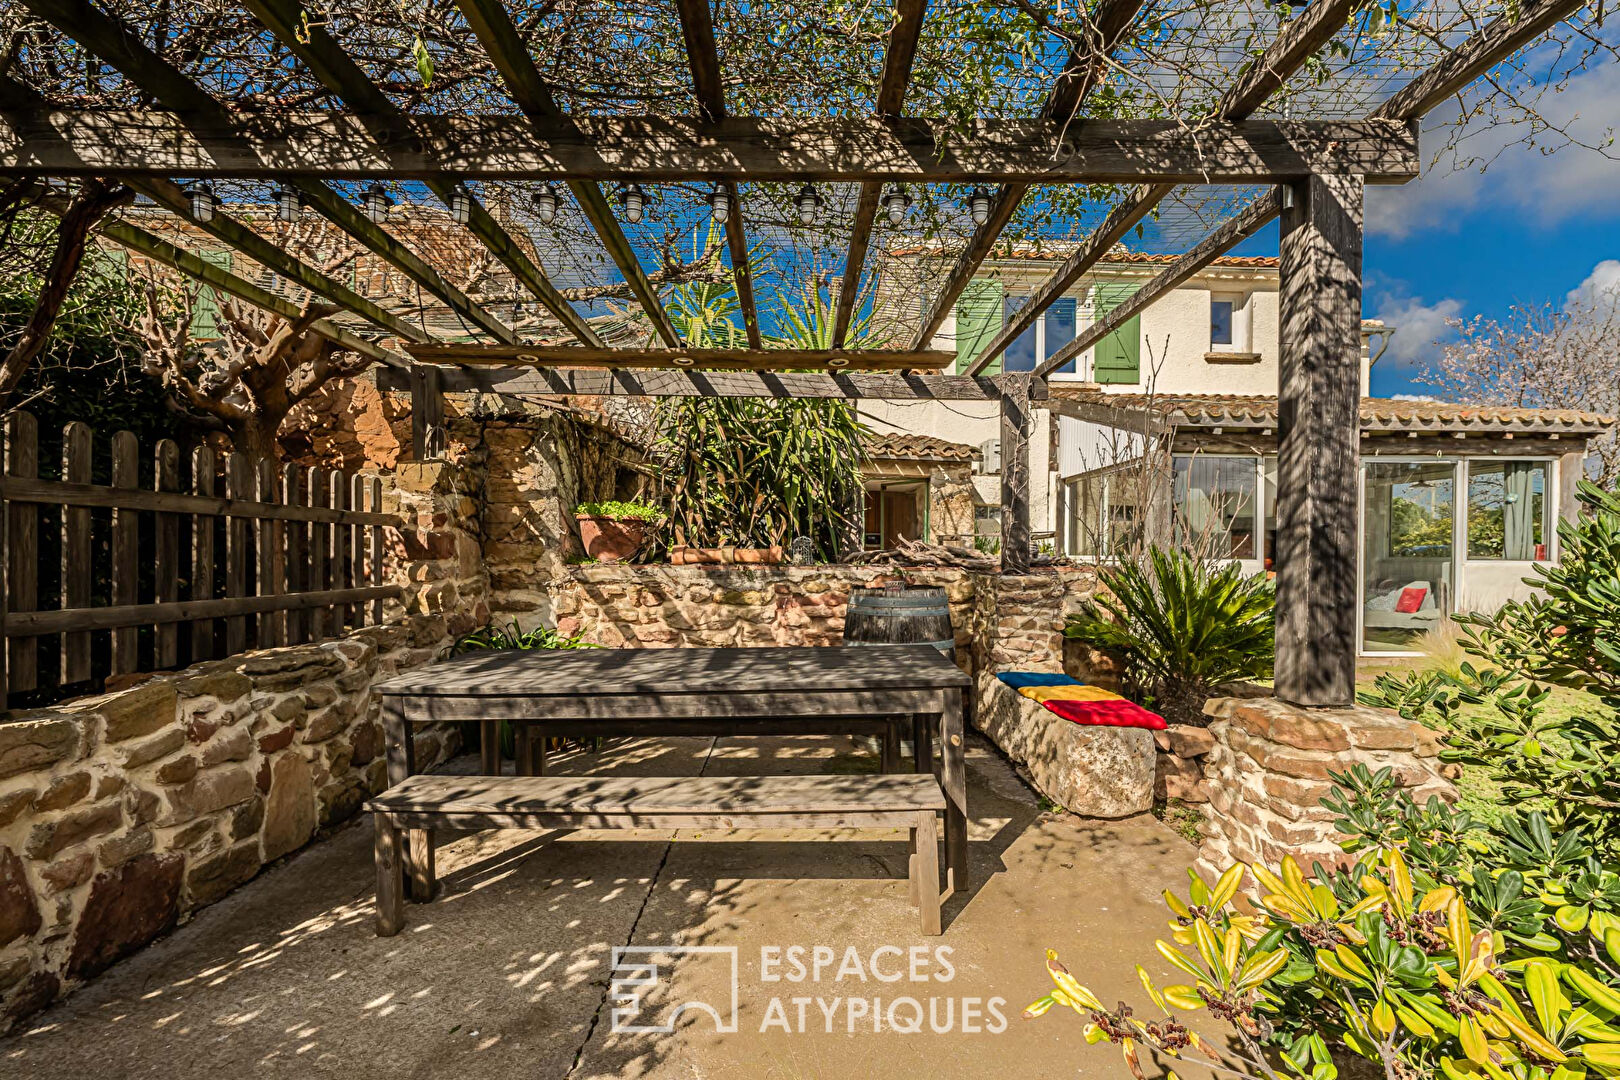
[[471, 803]]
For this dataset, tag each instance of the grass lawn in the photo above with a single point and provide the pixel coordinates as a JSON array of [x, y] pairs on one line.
[[1477, 792]]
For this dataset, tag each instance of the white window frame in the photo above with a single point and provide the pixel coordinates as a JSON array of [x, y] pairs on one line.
[[1242, 321], [1256, 565], [1551, 510]]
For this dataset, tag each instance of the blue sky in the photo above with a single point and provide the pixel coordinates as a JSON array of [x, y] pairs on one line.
[[1530, 229]]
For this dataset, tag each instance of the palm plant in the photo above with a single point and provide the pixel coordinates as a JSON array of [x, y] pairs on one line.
[[1183, 625]]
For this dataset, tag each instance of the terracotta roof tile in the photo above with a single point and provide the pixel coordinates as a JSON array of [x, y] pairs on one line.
[[1213, 410], [901, 446]]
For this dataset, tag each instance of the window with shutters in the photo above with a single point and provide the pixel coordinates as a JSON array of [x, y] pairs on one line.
[[205, 309], [978, 317], [1117, 358]]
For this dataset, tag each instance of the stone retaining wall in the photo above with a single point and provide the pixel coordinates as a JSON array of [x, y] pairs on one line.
[[1267, 772], [659, 606], [123, 813]]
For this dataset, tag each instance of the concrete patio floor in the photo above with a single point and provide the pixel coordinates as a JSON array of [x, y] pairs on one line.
[[507, 973]]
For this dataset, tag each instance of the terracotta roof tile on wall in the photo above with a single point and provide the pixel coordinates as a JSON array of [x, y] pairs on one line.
[[1377, 414], [900, 446]]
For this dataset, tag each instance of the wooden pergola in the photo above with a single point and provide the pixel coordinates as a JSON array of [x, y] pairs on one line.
[[1315, 171]]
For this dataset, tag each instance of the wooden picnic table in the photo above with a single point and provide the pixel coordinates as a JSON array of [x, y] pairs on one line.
[[585, 693]]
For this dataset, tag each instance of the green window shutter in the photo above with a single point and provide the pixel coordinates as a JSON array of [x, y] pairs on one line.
[[1117, 358], [205, 312], [978, 318]]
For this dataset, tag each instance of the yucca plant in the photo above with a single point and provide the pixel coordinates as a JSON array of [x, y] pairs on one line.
[[1183, 625], [758, 472]]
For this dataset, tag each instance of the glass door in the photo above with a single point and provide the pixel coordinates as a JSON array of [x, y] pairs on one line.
[[1408, 556]]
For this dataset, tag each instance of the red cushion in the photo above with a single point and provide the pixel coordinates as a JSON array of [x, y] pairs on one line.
[[1411, 599], [1118, 713]]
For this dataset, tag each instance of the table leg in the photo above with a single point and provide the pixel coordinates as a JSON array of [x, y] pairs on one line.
[[489, 747], [890, 756], [424, 879], [922, 742], [537, 754], [953, 749], [522, 762], [399, 746]]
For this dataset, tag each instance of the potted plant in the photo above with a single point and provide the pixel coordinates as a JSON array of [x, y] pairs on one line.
[[614, 531]]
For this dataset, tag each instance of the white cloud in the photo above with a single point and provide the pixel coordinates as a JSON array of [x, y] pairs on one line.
[[1418, 327], [1603, 281], [1547, 187]]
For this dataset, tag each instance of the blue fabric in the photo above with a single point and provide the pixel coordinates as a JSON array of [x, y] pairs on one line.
[[1019, 679]]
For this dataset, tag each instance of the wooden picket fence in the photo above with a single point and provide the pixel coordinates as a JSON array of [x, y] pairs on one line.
[[108, 579]]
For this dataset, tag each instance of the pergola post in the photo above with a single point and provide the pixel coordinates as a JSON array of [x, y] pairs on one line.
[[427, 413], [1015, 430], [1318, 434]]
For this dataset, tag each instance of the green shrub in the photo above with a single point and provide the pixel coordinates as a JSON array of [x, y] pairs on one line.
[[1183, 627], [1446, 949], [623, 511], [1494, 707], [513, 636]]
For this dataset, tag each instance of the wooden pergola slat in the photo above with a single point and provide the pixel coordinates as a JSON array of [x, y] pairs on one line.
[[758, 384], [1295, 44], [703, 55], [14, 96], [241, 237], [115, 44], [1080, 75], [1501, 38], [1254, 217], [321, 53], [761, 359], [194, 266], [493, 26], [897, 60]]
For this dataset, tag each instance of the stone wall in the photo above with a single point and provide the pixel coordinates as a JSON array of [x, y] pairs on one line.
[[1267, 772], [123, 813], [1019, 618], [660, 606]]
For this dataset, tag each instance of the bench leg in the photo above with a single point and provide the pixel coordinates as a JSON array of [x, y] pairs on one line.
[[420, 856], [925, 872], [390, 877], [489, 747]]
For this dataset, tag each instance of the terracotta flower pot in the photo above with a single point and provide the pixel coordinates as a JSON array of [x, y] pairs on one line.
[[609, 539]]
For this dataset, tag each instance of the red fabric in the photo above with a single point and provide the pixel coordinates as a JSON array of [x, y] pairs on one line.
[[1411, 599], [1120, 713]]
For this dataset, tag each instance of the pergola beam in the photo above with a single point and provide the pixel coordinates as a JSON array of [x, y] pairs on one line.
[[1501, 38], [1296, 44], [493, 26], [323, 55], [703, 55], [1080, 75], [708, 358], [299, 145], [1235, 230], [115, 44], [550, 382], [897, 61]]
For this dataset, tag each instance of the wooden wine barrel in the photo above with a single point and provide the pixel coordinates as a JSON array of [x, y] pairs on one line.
[[900, 615]]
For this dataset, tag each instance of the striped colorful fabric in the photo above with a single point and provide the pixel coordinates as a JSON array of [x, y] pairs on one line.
[[1079, 703], [1020, 679]]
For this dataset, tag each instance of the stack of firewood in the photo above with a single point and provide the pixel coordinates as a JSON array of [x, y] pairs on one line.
[[917, 553]]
